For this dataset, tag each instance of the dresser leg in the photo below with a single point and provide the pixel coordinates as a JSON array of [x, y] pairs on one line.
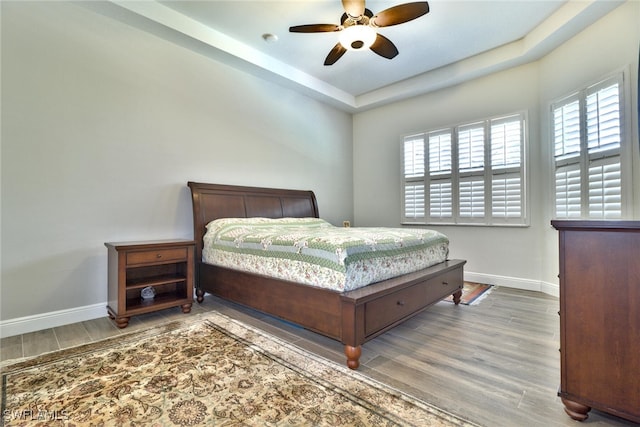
[[199, 295], [186, 308], [575, 410]]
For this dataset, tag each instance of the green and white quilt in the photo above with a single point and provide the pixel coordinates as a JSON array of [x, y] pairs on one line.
[[314, 252]]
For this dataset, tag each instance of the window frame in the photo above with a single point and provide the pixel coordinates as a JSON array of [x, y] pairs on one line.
[[487, 175], [583, 160]]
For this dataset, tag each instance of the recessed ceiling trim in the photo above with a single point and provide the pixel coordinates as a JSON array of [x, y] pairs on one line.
[[175, 21], [172, 25], [566, 22]]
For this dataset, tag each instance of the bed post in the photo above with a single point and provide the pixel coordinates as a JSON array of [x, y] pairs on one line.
[[353, 355], [353, 334], [457, 296], [199, 294]]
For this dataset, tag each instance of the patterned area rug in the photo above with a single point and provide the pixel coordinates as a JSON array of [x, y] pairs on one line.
[[472, 293], [210, 370]]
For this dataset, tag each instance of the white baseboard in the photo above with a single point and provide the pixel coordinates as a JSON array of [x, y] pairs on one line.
[[37, 322], [513, 282], [550, 288]]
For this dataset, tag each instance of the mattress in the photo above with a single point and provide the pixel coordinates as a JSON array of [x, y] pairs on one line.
[[314, 252]]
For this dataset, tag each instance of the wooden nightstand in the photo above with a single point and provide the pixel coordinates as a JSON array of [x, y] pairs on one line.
[[167, 266]]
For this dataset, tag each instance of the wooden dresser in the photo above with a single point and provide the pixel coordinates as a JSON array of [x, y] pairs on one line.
[[600, 317]]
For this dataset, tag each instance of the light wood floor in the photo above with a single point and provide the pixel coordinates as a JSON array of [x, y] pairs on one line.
[[495, 363]]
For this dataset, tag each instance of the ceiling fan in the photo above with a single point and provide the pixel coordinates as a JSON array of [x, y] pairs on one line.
[[358, 28]]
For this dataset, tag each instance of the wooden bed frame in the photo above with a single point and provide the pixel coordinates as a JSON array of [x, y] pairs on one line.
[[352, 317]]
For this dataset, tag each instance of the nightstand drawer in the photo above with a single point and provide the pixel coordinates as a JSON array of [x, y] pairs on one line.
[[153, 256]]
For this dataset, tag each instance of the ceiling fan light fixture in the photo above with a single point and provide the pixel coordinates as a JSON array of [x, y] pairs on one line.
[[357, 29], [357, 37]]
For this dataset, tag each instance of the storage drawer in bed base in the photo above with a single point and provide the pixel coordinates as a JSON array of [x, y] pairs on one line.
[[389, 309], [377, 308]]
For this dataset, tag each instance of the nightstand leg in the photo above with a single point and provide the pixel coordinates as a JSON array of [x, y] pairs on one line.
[[186, 308], [122, 322]]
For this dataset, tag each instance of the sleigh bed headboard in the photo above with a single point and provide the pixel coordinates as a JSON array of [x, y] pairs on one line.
[[213, 201]]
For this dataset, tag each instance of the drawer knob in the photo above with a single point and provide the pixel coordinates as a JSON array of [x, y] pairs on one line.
[[158, 256], [401, 303], [445, 283]]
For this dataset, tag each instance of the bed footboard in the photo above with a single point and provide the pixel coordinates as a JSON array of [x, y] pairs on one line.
[[351, 317], [373, 310]]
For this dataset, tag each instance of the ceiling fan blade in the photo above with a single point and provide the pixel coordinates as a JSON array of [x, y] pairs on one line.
[[384, 47], [400, 14], [314, 28], [335, 54], [353, 7]]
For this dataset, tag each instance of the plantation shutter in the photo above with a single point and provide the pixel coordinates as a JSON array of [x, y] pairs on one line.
[[588, 176], [603, 119], [566, 126], [568, 200], [414, 169], [468, 174], [471, 160], [506, 167], [472, 197], [567, 130], [605, 196], [440, 176], [603, 144], [471, 148]]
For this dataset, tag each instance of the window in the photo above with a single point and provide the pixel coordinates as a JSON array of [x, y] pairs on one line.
[[469, 174], [587, 140]]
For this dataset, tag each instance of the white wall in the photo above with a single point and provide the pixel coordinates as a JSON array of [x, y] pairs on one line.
[[485, 249], [102, 127], [611, 44], [521, 257]]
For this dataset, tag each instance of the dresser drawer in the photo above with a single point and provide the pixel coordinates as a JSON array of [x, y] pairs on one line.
[[385, 310], [156, 256]]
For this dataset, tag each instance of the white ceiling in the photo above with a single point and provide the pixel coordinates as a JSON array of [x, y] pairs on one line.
[[457, 40]]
